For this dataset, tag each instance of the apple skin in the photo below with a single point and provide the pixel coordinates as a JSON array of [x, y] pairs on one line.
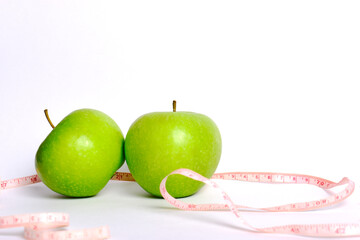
[[158, 143], [81, 154]]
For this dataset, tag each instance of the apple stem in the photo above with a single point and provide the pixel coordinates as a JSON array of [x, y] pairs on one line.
[[174, 106], [48, 118]]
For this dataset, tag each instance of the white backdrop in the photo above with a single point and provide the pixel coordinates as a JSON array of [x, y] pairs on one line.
[[280, 78]]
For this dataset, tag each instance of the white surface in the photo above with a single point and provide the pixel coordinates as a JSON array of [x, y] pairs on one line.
[[280, 78]]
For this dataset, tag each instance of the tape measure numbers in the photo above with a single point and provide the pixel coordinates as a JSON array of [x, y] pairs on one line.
[[39, 226]]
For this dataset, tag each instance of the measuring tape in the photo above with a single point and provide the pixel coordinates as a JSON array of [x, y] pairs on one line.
[[39, 226], [315, 230]]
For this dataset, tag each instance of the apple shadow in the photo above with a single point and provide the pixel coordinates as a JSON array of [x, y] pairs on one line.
[[127, 189], [40, 191]]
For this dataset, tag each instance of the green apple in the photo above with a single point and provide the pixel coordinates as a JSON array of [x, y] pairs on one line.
[[160, 142], [81, 153]]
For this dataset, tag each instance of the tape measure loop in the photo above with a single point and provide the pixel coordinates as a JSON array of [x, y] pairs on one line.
[[317, 230], [41, 225]]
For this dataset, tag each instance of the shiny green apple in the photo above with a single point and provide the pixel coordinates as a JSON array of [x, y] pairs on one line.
[[80, 154], [160, 142]]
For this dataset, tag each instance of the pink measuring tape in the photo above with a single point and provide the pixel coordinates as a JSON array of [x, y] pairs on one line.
[[39, 226], [316, 230]]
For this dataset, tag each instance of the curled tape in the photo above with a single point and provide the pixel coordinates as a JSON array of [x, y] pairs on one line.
[[315, 230], [40, 226], [37, 227]]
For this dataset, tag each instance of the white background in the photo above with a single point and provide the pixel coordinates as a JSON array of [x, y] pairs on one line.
[[280, 78]]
